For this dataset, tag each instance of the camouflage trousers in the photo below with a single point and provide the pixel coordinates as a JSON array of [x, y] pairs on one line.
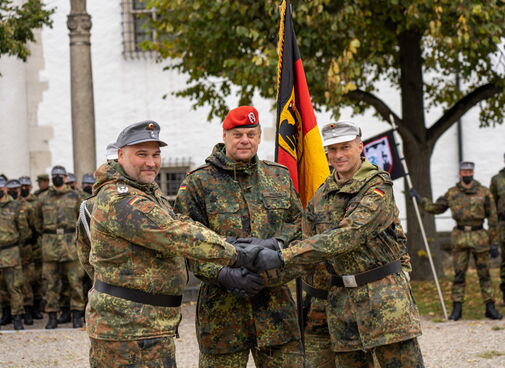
[[53, 273], [289, 355], [148, 353], [461, 259], [501, 238], [318, 351], [13, 278], [404, 354], [39, 285], [28, 275]]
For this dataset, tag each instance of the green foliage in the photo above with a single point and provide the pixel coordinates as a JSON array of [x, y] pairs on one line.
[[17, 24], [344, 44]]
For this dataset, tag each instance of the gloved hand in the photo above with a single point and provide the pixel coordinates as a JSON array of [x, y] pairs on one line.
[[268, 259], [246, 254], [240, 281], [493, 251], [270, 243], [413, 194]]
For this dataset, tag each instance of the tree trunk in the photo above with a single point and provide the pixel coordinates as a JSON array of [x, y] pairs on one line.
[[417, 151]]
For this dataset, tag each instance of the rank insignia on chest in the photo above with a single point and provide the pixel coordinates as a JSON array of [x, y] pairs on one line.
[[122, 188]]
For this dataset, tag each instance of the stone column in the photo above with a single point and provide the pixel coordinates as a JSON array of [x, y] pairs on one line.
[[81, 79]]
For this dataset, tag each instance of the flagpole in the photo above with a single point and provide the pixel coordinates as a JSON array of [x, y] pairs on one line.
[[418, 215]]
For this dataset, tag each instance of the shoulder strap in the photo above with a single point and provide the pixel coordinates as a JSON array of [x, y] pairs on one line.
[[85, 218]]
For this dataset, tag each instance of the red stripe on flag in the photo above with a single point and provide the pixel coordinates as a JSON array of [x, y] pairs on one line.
[[303, 102]]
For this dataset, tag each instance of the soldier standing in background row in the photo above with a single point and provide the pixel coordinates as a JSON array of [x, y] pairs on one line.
[[32, 261], [43, 184], [56, 214], [237, 195], [470, 203], [71, 181], [14, 230], [87, 185], [137, 249], [497, 188]]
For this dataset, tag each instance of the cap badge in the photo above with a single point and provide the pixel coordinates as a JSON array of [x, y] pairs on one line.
[[150, 126], [251, 117]]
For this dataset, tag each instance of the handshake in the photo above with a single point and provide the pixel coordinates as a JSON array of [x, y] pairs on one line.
[[253, 256]]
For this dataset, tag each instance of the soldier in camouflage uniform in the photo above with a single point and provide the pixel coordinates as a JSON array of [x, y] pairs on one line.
[[470, 203], [497, 189], [14, 230], [56, 213], [43, 183], [32, 264], [238, 195], [370, 308], [137, 249]]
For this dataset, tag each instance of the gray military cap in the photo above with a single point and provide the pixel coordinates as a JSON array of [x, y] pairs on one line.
[[466, 165], [25, 180], [88, 179], [111, 151], [342, 131], [145, 131], [2, 182], [70, 178], [58, 170], [13, 184]]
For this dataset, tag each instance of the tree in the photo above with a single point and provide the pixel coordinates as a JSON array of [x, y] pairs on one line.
[[17, 24], [348, 47]]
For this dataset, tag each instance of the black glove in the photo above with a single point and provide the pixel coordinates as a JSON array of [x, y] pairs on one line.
[[413, 194], [240, 281], [268, 259], [493, 251], [270, 243], [246, 254]]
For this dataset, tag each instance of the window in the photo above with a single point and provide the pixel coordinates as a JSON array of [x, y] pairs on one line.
[[135, 18], [171, 175]]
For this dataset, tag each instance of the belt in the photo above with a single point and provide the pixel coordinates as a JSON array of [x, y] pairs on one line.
[[139, 296], [360, 279], [60, 231], [314, 292], [10, 245], [469, 228]]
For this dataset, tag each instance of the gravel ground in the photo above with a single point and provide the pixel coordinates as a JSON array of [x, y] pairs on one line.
[[459, 344]]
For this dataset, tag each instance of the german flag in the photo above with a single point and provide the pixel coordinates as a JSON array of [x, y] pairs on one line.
[[298, 142]]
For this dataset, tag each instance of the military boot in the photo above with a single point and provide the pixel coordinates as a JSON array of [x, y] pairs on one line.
[[491, 311], [64, 316], [76, 319], [37, 309], [6, 316], [17, 322], [27, 317], [52, 322], [457, 310]]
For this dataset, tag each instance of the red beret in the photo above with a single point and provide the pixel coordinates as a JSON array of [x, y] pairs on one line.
[[241, 117]]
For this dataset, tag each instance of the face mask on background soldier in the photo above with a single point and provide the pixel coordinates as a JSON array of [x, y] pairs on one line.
[[13, 194], [467, 179], [1, 193], [88, 189], [57, 180], [25, 192]]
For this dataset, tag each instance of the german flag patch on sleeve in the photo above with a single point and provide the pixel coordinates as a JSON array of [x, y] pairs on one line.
[[379, 192], [134, 200], [182, 187]]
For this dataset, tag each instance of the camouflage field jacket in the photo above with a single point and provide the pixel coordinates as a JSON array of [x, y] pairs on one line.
[[242, 200], [469, 207], [57, 210], [14, 229], [356, 223], [139, 243]]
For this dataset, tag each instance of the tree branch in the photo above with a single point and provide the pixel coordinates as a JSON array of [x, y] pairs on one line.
[[459, 109], [382, 109]]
